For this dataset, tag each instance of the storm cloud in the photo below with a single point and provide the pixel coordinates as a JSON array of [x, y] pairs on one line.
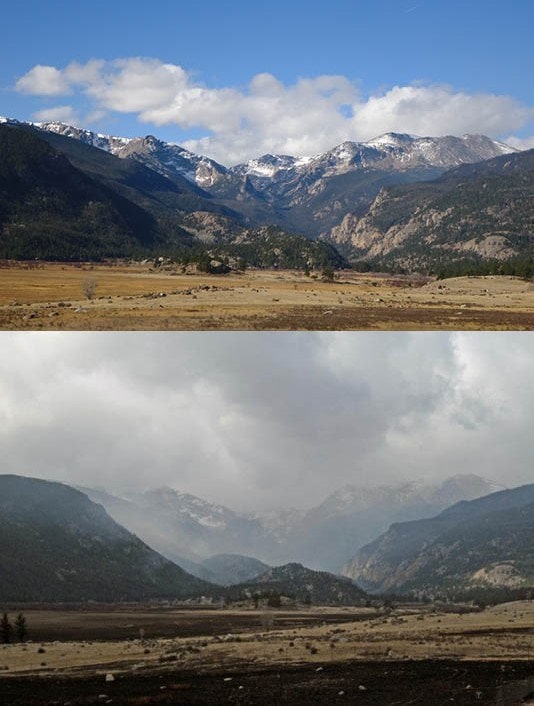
[[261, 420]]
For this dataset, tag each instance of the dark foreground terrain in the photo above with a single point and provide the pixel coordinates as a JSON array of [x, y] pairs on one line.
[[400, 683]]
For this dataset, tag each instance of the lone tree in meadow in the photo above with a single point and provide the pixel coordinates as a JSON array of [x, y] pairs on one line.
[[21, 630], [89, 287], [6, 629]]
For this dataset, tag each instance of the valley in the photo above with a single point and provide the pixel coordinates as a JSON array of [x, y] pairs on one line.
[[317, 655], [50, 296], [429, 205]]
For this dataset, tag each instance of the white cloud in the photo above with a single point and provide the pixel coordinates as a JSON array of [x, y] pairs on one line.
[[44, 81], [438, 110], [521, 143], [304, 118], [61, 113]]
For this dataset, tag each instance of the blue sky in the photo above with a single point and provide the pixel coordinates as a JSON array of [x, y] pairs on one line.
[[252, 77]]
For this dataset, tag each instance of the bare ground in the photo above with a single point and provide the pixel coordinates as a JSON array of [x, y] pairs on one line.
[[136, 297], [410, 656]]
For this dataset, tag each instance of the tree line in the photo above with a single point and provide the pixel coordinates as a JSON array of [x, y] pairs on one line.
[[9, 632]]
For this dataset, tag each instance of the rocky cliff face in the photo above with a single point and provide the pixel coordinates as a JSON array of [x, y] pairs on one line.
[[486, 542], [481, 211]]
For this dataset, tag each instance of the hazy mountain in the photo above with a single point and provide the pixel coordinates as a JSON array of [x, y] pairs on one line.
[[484, 542], [228, 569], [57, 545], [479, 211], [296, 581], [328, 534], [187, 529]]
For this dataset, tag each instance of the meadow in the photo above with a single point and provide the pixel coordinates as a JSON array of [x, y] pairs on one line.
[[41, 296], [297, 655]]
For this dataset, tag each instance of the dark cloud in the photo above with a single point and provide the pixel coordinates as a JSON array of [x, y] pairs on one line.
[[257, 420]]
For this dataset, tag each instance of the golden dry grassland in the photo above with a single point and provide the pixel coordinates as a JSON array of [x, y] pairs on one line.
[[140, 297], [504, 632]]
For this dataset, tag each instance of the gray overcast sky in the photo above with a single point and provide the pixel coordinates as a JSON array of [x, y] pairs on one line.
[[260, 420]]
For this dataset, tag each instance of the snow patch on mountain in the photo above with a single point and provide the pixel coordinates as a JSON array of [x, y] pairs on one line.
[[390, 151], [170, 501]]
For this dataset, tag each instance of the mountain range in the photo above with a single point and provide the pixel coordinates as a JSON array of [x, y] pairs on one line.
[[57, 545], [295, 192], [397, 200], [63, 199], [189, 530], [483, 543]]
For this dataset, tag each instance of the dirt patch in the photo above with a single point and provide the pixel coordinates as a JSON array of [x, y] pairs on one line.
[[112, 624], [428, 682]]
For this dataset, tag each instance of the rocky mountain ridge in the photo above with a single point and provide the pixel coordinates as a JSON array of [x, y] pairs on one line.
[[485, 542], [397, 201], [188, 530], [306, 195], [64, 199], [479, 211]]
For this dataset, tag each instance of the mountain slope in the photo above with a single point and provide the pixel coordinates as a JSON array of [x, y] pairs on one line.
[[296, 581], [57, 545], [134, 179], [49, 208], [63, 198], [183, 527], [315, 194], [228, 569], [354, 515], [479, 211], [463, 546]]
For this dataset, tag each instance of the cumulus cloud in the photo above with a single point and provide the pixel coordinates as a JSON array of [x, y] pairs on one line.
[[263, 420], [521, 143], [61, 113], [304, 118], [50, 81], [44, 81], [438, 110]]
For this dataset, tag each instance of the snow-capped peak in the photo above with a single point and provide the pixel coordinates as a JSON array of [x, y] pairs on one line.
[[267, 165], [393, 139], [108, 143]]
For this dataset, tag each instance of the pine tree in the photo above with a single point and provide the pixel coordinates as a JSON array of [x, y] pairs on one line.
[[6, 629], [274, 600], [21, 629]]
